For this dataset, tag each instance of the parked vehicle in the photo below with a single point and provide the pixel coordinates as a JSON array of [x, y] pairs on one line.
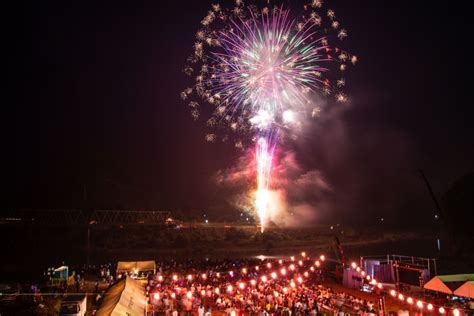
[[75, 305]]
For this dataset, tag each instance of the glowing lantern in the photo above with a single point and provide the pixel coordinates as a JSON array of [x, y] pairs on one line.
[[393, 293], [306, 274], [441, 310], [419, 304], [217, 290], [274, 275], [322, 257], [229, 288], [363, 273], [173, 295], [269, 265], [300, 263], [189, 294], [400, 297], [311, 268], [456, 312], [242, 285], [409, 300], [218, 274], [203, 276], [292, 267], [353, 265], [264, 278], [292, 258], [244, 270], [300, 280], [156, 296], [175, 277], [317, 263], [160, 278], [231, 273], [253, 282], [190, 277], [280, 261], [379, 285], [283, 271], [292, 284], [303, 254], [257, 268], [368, 278], [358, 269], [285, 290], [429, 307], [203, 292], [276, 294]]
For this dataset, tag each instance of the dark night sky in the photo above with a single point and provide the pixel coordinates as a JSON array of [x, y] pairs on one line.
[[97, 106]]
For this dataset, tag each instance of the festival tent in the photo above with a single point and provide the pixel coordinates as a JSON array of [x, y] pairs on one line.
[[466, 290], [136, 266], [447, 283], [126, 297]]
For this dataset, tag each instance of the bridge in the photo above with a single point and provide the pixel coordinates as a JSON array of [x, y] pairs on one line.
[[73, 217]]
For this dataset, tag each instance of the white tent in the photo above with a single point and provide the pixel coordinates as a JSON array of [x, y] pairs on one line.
[[466, 290], [136, 266], [436, 284], [447, 283], [126, 297]]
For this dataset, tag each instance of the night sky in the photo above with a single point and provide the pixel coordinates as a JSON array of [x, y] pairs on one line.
[[99, 122]]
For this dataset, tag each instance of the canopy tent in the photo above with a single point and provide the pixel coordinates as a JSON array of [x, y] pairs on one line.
[[136, 266], [447, 283], [466, 290], [126, 297]]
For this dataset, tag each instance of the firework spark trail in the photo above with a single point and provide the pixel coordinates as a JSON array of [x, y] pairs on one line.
[[259, 68], [264, 157]]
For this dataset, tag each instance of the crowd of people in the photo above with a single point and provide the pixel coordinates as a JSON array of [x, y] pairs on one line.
[[248, 287]]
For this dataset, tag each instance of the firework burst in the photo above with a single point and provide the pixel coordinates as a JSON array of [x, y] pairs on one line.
[[259, 69]]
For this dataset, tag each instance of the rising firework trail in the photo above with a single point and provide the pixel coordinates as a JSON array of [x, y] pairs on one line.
[[261, 69]]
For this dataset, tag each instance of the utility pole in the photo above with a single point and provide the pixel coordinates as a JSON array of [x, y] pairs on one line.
[[440, 215]]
